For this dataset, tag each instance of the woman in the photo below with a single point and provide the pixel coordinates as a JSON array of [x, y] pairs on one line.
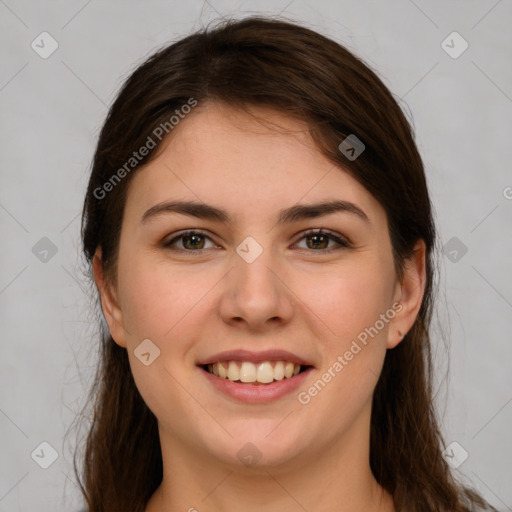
[[259, 229]]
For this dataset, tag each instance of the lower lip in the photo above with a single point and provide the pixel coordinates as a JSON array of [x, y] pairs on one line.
[[257, 394]]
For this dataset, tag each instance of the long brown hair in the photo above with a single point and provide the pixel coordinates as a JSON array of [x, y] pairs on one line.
[[276, 63]]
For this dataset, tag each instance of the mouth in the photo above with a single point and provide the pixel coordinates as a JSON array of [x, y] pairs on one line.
[[259, 374], [255, 377]]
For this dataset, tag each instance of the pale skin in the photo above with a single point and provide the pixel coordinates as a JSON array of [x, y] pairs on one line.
[[294, 296]]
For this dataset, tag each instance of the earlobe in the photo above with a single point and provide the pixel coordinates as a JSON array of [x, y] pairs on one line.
[[411, 291], [109, 303]]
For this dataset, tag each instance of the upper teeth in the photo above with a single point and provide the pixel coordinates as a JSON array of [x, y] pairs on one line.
[[245, 371]]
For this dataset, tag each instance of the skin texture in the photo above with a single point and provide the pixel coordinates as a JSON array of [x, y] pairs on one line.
[[294, 296]]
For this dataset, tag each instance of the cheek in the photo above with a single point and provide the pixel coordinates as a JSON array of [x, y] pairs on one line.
[[162, 305], [349, 300], [353, 351], [354, 345], [159, 301]]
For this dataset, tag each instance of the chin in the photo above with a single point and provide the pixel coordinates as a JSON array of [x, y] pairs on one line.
[[258, 449]]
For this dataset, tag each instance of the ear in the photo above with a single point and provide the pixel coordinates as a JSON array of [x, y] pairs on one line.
[[109, 304], [409, 293]]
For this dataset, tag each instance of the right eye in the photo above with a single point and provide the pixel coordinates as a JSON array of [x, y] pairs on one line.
[[190, 241]]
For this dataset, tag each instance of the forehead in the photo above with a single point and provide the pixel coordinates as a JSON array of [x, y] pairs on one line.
[[246, 164]]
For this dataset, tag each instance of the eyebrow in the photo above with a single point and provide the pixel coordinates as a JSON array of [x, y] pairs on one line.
[[287, 215]]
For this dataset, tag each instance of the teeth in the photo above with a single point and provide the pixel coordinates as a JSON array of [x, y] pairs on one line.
[[222, 371], [247, 372], [279, 370], [265, 372], [233, 371]]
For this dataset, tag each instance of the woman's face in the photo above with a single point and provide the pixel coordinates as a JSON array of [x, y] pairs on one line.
[[254, 281]]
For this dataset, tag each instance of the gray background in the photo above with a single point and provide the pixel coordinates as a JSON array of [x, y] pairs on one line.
[[53, 108]]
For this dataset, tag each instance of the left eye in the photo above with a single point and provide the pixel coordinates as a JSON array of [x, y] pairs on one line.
[[320, 237], [194, 241]]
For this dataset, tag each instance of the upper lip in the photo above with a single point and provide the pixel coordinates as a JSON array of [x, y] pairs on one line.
[[255, 357]]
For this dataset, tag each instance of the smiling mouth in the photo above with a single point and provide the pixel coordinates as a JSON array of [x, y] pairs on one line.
[[245, 372]]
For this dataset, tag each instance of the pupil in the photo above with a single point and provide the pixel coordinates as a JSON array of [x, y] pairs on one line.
[[192, 237], [316, 237]]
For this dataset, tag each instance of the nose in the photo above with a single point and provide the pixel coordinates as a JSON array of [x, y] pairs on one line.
[[257, 294]]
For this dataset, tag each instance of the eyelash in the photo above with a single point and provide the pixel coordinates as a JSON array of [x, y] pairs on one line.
[[342, 242]]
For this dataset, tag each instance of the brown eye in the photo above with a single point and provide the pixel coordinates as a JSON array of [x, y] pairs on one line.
[[318, 240], [192, 241], [189, 241]]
